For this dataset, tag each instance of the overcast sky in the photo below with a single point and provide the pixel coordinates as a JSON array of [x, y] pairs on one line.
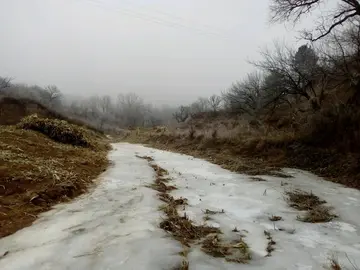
[[166, 51]]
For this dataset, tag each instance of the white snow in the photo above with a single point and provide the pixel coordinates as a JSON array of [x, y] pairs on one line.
[[116, 225]]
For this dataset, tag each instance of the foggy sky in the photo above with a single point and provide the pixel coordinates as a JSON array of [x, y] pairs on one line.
[[166, 51]]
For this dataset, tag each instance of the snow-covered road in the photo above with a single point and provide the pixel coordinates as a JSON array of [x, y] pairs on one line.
[[116, 226]]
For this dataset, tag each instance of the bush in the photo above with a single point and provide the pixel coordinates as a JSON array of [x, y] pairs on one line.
[[57, 130], [336, 126]]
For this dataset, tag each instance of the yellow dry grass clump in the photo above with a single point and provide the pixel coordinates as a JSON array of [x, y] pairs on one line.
[[316, 211], [43, 162], [58, 130]]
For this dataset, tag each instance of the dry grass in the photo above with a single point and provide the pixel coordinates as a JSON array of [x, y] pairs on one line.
[[302, 200], [334, 264], [57, 130], [160, 186], [318, 214], [186, 232], [37, 172], [236, 251], [160, 172], [275, 218], [180, 227], [261, 150], [271, 243], [165, 197], [183, 229]]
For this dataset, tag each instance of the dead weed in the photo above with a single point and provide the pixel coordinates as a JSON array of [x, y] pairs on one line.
[[275, 218], [186, 232], [271, 243], [236, 251], [318, 214], [302, 200]]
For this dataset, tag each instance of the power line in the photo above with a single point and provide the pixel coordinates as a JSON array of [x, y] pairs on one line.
[[154, 19], [175, 17]]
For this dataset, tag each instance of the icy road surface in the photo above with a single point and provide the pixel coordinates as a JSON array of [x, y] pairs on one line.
[[116, 225]]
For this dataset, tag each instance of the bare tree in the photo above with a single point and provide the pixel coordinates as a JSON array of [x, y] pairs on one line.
[[5, 83], [293, 78], [245, 96], [214, 103], [105, 104], [204, 104], [132, 109], [182, 114], [286, 10], [199, 106], [52, 95], [341, 60]]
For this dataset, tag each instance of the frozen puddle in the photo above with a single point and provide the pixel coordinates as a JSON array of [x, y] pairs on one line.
[[117, 225]]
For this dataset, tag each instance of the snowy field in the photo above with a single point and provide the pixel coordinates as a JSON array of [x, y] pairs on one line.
[[116, 226]]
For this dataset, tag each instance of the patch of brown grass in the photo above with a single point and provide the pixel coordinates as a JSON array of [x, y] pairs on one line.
[[180, 227], [186, 232], [36, 172], [160, 172], [183, 229], [275, 218], [302, 200], [214, 247], [318, 214], [165, 197], [160, 186], [236, 251]]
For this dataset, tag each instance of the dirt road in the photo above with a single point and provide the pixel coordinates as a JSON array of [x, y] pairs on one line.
[[116, 226]]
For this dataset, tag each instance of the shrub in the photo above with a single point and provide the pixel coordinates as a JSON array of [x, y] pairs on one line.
[[57, 130], [337, 125]]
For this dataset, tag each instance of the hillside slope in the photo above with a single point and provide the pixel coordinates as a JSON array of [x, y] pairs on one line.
[[41, 164]]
